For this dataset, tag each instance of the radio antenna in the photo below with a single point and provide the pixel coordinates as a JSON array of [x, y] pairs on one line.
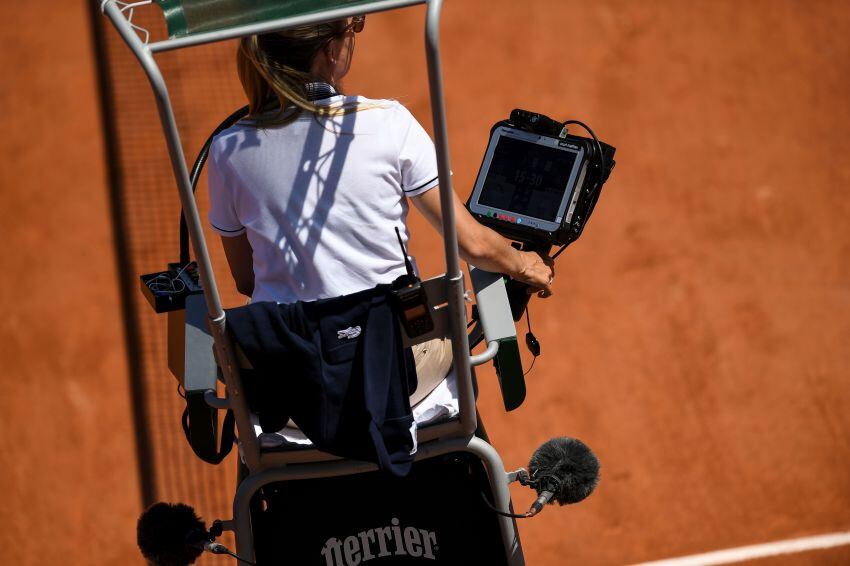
[[407, 263]]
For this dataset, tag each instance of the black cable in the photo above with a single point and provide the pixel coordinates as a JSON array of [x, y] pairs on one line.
[[533, 353], [503, 513], [595, 139], [531, 367], [234, 555], [209, 545], [200, 161], [601, 165]]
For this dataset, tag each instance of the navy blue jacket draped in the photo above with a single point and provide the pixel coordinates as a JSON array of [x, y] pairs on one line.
[[337, 368]]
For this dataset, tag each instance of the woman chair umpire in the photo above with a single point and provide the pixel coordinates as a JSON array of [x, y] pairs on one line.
[[306, 192]]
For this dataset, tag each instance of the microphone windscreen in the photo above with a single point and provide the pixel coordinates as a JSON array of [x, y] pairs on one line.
[[162, 533], [572, 463]]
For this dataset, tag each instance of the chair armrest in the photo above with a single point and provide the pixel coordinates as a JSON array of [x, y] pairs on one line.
[[494, 312]]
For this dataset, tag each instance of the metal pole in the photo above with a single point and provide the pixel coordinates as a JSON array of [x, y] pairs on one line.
[[454, 276], [128, 288], [175, 152], [227, 359]]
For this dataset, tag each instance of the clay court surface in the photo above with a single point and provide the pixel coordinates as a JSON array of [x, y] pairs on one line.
[[697, 340]]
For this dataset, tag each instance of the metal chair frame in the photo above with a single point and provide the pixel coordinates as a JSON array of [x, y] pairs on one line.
[[266, 467]]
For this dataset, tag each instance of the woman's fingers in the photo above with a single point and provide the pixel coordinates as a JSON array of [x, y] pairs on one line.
[[549, 271], [539, 274]]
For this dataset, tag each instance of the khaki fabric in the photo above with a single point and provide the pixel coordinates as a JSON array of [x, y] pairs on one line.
[[433, 361]]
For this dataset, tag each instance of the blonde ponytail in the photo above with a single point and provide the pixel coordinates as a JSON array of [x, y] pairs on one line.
[[274, 70]]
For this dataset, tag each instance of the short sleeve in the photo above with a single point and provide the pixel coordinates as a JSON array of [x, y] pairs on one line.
[[417, 158], [222, 216]]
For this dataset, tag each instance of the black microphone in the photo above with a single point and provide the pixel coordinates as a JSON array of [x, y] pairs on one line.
[[201, 539], [171, 534], [167, 534], [563, 469]]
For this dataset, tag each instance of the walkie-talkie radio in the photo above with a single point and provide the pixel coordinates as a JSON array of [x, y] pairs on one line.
[[411, 300]]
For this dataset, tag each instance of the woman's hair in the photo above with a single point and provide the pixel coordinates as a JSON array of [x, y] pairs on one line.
[[277, 66]]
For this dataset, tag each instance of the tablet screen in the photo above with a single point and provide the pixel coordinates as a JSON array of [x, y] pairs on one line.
[[527, 179]]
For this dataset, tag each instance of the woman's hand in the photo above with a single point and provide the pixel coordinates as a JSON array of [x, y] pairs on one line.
[[537, 271]]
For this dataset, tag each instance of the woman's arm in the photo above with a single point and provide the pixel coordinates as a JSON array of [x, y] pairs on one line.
[[486, 249], [240, 258]]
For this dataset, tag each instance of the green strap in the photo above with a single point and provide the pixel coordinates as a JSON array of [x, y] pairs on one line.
[[187, 17]]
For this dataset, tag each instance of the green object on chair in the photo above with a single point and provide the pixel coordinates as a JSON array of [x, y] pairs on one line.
[[187, 17]]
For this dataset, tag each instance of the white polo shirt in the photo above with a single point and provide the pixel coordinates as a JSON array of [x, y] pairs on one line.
[[319, 198]]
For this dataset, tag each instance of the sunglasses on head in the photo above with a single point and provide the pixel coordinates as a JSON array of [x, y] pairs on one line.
[[356, 25]]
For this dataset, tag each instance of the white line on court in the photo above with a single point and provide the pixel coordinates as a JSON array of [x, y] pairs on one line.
[[742, 553]]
